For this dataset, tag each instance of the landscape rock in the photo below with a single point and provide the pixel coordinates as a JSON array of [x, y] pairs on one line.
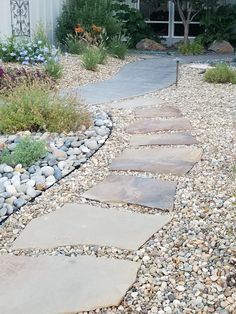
[[149, 44], [221, 47]]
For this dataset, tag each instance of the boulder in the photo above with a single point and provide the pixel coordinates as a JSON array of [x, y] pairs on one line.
[[221, 47], [148, 44]]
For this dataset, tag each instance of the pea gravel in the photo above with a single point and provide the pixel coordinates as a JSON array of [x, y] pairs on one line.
[[189, 265]]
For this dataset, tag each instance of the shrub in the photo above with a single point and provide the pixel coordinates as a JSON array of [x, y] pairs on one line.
[[26, 51], [133, 23], [10, 77], [117, 48], [102, 55], [91, 58], [26, 152], [74, 46], [193, 48], [221, 74], [54, 69], [37, 108], [87, 13], [219, 25]]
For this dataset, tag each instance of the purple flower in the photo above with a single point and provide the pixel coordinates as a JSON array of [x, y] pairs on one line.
[[2, 72]]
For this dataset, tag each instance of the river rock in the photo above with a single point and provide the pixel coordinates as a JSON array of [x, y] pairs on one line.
[[47, 171]]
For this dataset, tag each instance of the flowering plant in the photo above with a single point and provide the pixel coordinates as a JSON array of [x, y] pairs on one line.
[[27, 51], [95, 36]]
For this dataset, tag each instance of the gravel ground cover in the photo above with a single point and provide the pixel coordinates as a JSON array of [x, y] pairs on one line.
[[189, 265], [65, 152]]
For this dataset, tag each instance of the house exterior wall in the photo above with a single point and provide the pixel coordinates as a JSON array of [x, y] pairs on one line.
[[44, 12]]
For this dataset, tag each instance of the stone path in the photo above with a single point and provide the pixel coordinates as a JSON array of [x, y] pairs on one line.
[[163, 139], [52, 285], [177, 161], [89, 225], [63, 285]]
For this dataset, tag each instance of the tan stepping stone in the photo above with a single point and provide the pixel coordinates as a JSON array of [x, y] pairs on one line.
[[53, 285], [134, 190], [154, 112], [87, 225], [159, 160], [163, 139], [151, 125]]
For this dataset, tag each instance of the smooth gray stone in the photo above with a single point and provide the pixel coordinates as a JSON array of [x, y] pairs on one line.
[[163, 139], [177, 161], [151, 125], [53, 285], [135, 190], [158, 112], [84, 224]]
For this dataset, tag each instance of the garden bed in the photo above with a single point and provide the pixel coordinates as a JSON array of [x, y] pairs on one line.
[[65, 152]]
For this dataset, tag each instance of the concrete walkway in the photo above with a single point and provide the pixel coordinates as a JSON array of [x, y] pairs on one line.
[[140, 78], [135, 79]]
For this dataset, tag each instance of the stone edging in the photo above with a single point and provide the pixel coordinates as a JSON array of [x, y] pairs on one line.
[[65, 154]]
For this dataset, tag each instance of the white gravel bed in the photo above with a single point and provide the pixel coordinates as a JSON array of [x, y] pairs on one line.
[[186, 265]]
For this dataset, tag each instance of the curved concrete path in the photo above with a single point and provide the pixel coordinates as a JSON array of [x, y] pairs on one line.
[[140, 78], [134, 79]]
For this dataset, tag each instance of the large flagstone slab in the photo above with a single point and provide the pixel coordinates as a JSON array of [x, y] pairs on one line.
[[134, 190], [85, 224], [159, 160], [151, 125], [53, 285], [154, 112], [163, 139]]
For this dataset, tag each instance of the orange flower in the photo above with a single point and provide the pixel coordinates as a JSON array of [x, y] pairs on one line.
[[79, 29], [96, 29]]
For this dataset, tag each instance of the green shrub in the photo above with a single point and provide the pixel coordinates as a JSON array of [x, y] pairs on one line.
[[74, 46], [118, 48], [193, 48], [26, 152], [37, 108], [86, 13], [133, 23], [54, 69], [102, 55], [221, 74], [220, 24], [91, 57]]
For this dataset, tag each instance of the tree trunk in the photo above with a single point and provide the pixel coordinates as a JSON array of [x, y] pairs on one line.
[[186, 32]]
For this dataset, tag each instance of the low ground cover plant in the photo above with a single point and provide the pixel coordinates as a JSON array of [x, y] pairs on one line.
[[221, 73], [193, 48], [11, 77], [37, 109], [26, 152]]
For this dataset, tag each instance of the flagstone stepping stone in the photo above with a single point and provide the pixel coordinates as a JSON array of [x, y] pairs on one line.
[[177, 161], [163, 139], [53, 285], [134, 190], [151, 125], [88, 225], [154, 112]]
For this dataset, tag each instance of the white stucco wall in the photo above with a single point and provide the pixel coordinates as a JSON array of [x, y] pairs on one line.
[[41, 11]]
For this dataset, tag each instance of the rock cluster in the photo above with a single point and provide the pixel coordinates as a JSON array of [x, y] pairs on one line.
[[65, 153]]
